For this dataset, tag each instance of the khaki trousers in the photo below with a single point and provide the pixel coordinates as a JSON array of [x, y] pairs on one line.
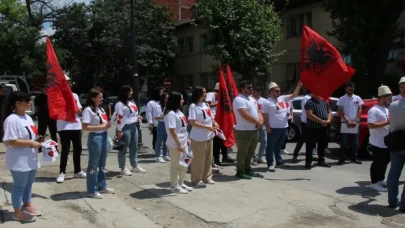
[[177, 171], [201, 165], [246, 141]]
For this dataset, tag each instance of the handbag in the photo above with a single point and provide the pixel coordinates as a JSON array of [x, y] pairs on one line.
[[117, 144], [394, 141]]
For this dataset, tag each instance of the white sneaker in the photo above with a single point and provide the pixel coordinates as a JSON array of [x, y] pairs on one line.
[[285, 152], [187, 188], [138, 169], [254, 161], [383, 183], [214, 167], [125, 172], [96, 195], [61, 178], [328, 151], [179, 190], [200, 185], [80, 174], [210, 182], [378, 187], [272, 169], [108, 191], [167, 158], [160, 160], [262, 161]]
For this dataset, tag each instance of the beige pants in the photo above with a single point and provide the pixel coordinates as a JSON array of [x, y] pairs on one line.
[[201, 165], [177, 171]]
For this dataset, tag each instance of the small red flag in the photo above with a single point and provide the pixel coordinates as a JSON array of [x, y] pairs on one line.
[[61, 103], [322, 67], [224, 115]]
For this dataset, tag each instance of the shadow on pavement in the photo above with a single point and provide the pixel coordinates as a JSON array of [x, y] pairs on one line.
[[111, 174], [50, 179], [67, 196], [7, 186], [151, 193], [292, 179], [224, 178], [374, 209]]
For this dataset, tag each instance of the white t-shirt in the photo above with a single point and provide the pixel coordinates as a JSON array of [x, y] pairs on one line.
[[211, 98], [350, 105], [176, 120], [94, 118], [303, 112], [251, 105], [260, 102], [64, 125], [152, 110], [397, 97], [277, 110], [201, 113], [158, 113], [378, 114], [21, 159], [130, 111]]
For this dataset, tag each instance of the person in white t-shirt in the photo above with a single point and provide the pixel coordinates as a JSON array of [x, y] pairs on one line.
[[95, 120], [350, 108], [378, 124], [276, 122], [201, 135], [128, 134], [248, 122], [71, 132], [258, 157], [151, 109], [161, 135], [177, 140], [401, 84], [20, 137]]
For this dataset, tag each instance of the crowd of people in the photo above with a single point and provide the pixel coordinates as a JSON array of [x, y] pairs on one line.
[[179, 127]]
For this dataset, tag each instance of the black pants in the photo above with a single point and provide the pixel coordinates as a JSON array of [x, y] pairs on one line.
[[65, 137], [302, 140], [218, 145], [381, 158], [44, 123], [288, 132], [315, 136], [154, 135]]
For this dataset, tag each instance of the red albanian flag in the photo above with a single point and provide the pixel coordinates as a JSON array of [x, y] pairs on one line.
[[61, 103], [322, 67], [224, 115], [230, 81]]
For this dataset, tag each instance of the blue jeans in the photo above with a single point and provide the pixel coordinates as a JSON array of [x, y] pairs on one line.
[[274, 142], [263, 143], [22, 187], [397, 163], [161, 140], [354, 143], [98, 149], [130, 140]]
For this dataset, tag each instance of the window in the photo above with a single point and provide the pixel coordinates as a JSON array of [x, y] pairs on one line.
[[180, 45], [190, 45], [203, 43], [297, 104], [293, 73], [296, 24]]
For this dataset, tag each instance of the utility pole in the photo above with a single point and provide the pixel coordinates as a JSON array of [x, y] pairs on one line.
[[135, 76]]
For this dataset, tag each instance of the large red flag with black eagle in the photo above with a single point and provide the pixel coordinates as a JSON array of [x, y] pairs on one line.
[[224, 115], [61, 103], [231, 85], [322, 67]]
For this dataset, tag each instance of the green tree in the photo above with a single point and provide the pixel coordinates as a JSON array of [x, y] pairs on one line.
[[367, 32], [243, 33]]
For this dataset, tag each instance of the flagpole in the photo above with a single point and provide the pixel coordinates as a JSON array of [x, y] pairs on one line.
[[135, 76]]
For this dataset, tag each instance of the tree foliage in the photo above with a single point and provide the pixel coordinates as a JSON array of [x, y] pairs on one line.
[[367, 32], [243, 33], [97, 38]]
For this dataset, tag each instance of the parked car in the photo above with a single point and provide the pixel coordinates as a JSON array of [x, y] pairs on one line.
[[364, 147], [295, 129]]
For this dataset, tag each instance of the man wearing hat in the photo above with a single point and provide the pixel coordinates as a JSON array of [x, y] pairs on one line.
[[401, 84], [379, 126], [42, 112]]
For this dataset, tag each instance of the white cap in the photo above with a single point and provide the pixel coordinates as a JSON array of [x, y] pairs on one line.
[[402, 80], [383, 90], [216, 86], [273, 85], [67, 78]]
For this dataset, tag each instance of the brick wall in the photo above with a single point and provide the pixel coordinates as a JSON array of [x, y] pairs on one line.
[[174, 8]]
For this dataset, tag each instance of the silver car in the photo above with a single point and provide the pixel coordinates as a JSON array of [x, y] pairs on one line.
[[295, 129]]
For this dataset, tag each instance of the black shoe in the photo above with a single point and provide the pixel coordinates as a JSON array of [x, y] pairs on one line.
[[249, 172], [217, 162], [228, 160], [324, 164], [294, 160], [308, 165], [357, 161], [341, 161], [282, 166], [242, 175]]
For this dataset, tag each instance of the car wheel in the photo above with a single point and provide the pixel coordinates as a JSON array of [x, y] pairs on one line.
[[294, 133]]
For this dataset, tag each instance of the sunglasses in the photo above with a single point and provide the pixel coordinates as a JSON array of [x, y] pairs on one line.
[[277, 91], [28, 100], [249, 87]]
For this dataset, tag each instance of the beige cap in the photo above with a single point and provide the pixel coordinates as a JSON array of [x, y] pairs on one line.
[[273, 85], [383, 90], [402, 80], [216, 86]]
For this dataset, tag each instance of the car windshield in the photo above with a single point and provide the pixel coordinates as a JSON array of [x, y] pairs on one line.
[[297, 105]]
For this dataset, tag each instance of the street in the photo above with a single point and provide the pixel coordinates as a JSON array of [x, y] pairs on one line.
[[291, 197]]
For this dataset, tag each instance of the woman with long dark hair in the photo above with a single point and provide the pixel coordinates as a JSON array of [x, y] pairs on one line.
[[128, 134], [95, 120], [161, 131], [202, 134], [20, 137], [177, 136], [152, 108]]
